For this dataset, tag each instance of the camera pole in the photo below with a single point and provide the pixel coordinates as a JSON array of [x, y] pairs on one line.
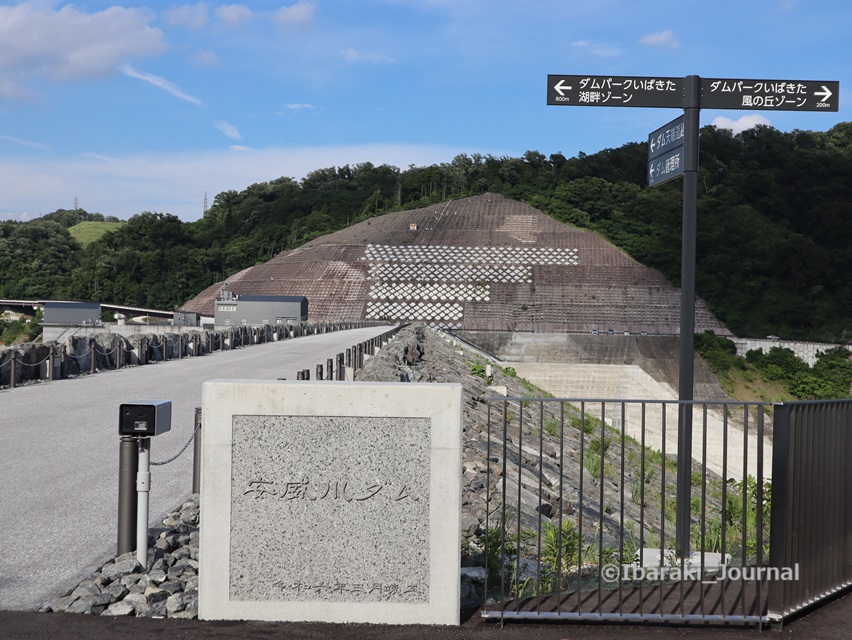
[[143, 487]]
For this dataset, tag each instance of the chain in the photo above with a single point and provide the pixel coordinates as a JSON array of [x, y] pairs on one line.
[[177, 455]]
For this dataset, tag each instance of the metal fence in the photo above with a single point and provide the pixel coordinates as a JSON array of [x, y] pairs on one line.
[[582, 510]]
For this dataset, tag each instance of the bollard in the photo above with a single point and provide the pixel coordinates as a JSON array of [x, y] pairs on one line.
[[50, 363], [63, 362], [306, 374], [349, 357], [341, 370], [196, 453], [329, 369], [128, 459], [92, 352], [13, 370], [359, 358], [319, 372]]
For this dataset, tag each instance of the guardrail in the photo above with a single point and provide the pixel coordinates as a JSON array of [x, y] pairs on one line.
[[344, 365], [81, 356]]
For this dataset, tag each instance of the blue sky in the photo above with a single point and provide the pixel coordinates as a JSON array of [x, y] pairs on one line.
[[145, 106]]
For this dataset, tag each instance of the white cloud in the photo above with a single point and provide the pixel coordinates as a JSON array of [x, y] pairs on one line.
[[239, 147], [192, 16], [175, 183], [204, 59], [297, 17], [161, 83], [234, 16], [228, 130], [355, 56], [65, 45], [600, 49], [661, 39], [27, 143], [740, 125], [299, 106]]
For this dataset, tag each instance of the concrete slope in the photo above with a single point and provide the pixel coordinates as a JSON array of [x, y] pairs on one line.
[[484, 262]]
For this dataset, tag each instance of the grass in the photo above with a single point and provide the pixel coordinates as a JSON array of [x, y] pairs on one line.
[[750, 385], [87, 232]]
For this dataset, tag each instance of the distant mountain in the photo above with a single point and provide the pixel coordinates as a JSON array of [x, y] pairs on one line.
[[774, 226]]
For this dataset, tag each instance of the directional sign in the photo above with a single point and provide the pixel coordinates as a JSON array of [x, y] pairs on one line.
[[770, 95], [666, 167], [614, 91], [666, 138]]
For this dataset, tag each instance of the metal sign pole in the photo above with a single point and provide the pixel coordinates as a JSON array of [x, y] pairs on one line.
[[143, 488], [687, 313]]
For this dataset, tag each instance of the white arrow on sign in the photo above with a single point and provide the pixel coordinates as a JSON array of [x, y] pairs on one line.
[[825, 93], [560, 87], [651, 169]]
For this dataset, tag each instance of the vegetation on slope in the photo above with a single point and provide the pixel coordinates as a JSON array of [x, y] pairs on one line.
[[778, 375], [87, 232], [774, 226]]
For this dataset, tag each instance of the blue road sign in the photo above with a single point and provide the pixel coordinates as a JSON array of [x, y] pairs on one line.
[[666, 138], [666, 167]]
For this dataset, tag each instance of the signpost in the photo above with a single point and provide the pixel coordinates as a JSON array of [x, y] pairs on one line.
[[665, 152], [673, 152]]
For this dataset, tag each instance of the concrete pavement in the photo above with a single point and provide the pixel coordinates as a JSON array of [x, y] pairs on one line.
[[59, 457]]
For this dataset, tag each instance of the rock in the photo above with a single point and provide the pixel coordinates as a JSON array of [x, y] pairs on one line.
[[180, 553], [475, 574], [138, 600], [175, 604], [156, 576], [86, 589], [116, 590], [156, 610], [121, 567], [469, 525], [90, 604], [61, 604], [119, 609], [172, 586], [156, 595]]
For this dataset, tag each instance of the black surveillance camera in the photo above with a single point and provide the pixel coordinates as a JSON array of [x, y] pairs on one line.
[[145, 418]]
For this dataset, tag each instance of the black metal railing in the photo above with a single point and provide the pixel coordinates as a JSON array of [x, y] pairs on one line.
[[582, 510]]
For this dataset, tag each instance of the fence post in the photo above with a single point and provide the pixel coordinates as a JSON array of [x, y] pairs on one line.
[[319, 372], [63, 362], [778, 553], [349, 357], [341, 371], [92, 352], [51, 365], [13, 370]]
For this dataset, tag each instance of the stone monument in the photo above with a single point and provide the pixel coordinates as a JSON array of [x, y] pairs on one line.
[[330, 501]]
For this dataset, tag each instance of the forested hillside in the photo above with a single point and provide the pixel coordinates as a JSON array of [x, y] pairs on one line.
[[774, 226]]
